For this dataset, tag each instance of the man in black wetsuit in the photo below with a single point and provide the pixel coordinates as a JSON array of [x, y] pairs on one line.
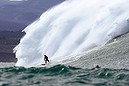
[[46, 59]]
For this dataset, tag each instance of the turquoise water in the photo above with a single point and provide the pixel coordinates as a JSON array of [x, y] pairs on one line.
[[61, 75]]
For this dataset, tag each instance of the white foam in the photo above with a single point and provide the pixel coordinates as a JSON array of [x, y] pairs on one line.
[[72, 27]]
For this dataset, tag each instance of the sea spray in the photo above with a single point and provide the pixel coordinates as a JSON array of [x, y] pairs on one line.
[[72, 27]]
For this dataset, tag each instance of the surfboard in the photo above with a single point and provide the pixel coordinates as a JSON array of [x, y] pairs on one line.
[[42, 64]]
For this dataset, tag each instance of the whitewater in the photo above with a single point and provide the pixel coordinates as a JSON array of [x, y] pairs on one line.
[[72, 27]]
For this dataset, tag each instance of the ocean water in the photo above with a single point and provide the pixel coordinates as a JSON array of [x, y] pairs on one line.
[[61, 75]]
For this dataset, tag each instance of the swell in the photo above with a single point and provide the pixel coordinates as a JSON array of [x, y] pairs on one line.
[[63, 75], [58, 69]]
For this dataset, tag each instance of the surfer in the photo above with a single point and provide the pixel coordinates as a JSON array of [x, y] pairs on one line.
[[46, 59]]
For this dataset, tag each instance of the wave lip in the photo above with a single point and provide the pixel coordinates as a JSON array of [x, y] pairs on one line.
[[66, 30]]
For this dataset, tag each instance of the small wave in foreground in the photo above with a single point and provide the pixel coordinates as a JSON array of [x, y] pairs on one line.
[[61, 75]]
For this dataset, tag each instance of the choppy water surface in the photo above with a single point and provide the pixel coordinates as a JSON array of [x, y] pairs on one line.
[[61, 75]]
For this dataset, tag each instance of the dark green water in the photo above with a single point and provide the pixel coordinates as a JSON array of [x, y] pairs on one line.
[[63, 76]]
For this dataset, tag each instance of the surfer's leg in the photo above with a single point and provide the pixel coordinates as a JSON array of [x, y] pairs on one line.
[[45, 62]]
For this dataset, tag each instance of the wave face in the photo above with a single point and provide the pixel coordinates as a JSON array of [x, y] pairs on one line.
[[72, 27]]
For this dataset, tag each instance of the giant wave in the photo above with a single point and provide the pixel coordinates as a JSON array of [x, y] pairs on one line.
[[72, 27]]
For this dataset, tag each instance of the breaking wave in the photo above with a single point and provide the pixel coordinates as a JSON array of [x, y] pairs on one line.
[[72, 27]]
